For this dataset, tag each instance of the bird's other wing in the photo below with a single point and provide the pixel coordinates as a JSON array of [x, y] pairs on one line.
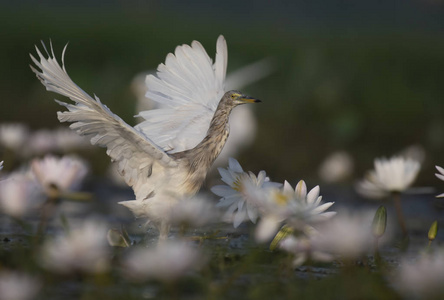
[[189, 87], [131, 149], [250, 73]]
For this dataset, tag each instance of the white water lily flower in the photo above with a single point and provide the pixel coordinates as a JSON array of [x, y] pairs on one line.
[[233, 194], [18, 286], [294, 207], [421, 278], [13, 136], [390, 175], [337, 167], [41, 141], [19, 194], [440, 175], [65, 173], [306, 207], [83, 249], [168, 261], [59, 140], [349, 234]]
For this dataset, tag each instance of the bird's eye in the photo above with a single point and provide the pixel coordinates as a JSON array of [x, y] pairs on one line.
[[233, 96]]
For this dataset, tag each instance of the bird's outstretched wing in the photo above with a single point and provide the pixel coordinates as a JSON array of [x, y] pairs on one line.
[[190, 86], [131, 149]]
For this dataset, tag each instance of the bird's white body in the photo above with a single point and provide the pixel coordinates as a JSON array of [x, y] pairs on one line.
[[166, 157]]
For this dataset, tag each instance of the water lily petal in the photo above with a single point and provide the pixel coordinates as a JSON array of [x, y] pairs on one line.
[[301, 189], [313, 194], [266, 229], [234, 165], [239, 217], [252, 213], [322, 207], [223, 190], [226, 176]]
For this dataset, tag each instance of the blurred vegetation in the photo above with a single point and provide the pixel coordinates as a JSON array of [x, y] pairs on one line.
[[369, 92]]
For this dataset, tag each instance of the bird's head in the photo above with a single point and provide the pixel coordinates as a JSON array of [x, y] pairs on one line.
[[236, 98]]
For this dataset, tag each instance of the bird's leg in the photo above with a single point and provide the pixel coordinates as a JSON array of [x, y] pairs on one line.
[[164, 230]]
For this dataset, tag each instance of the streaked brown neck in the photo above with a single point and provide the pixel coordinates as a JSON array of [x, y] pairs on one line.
[[204, 154], [199, 159]]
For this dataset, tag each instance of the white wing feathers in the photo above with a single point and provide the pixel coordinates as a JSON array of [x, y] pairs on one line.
[[221, 60], [190, 86], [130, 148]]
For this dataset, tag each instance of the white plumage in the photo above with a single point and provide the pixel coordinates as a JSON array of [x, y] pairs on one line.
[[132, 150], [163, 158], [188, 88]]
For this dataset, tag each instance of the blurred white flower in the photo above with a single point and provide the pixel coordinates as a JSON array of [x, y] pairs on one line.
[[19, 194], [267, 227], [233, 194], [294, 207], [84, 248], [440, 175], [168, 261], [65, 173], [421, 278], [41, 141], [13, 135], [390, 175], [17, 286], [304, 248], [61, 139], [348, 235], [337, 167]]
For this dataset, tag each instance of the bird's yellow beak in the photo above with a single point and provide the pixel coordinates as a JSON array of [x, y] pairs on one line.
[[248, 99]]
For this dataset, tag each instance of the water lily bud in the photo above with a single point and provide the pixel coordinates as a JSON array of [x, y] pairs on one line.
[[116, 239], [379, 222], [282, 234], [433, 231]]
